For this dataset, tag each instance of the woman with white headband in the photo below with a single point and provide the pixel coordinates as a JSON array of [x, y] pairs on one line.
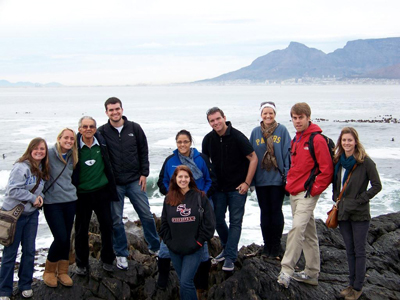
[[271, 142]]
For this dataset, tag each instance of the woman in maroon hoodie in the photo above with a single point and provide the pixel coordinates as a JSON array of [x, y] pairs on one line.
[[187, 221]]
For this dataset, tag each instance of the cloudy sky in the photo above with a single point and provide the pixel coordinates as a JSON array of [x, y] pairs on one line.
[[120, 42]]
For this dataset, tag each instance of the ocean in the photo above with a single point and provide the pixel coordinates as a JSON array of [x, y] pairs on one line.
[[164, 110]]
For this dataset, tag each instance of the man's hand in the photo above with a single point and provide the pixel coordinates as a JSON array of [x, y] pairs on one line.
[[142, 183], [243, 188]]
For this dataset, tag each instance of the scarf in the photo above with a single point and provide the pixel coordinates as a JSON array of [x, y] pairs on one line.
[[347, 164], [269, 159], [189, 162]]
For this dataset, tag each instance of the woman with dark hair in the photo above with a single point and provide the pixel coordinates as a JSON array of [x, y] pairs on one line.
[[60, 206], [24, 186], [205, 180], [354, 166], [187, 222], [271, 142]]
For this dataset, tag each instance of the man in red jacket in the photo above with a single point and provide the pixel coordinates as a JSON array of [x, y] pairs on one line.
[[303, 235]]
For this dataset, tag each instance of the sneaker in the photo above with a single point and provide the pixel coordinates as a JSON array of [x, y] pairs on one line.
[[346, 291], [228, 265], [108, 267], [220, 257], [4, 298], [27, 293], [303, 277], [154, 252], [81, 271], [122, 263], [284, 279]]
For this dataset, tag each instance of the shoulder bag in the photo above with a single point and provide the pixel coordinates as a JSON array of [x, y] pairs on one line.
[[8, 220]]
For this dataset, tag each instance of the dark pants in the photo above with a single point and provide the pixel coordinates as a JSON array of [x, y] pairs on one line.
[[25, 234], [270, 200], [60, 218], [355, 238], [98, 202]]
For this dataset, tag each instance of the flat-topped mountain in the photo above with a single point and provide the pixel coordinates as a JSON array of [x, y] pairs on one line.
[[372, 58]]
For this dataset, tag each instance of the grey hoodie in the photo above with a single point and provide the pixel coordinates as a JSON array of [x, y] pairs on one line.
[[20, 183], [62, 190]]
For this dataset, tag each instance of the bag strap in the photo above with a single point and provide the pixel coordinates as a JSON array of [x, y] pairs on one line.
[[345, 185], [57, 176]]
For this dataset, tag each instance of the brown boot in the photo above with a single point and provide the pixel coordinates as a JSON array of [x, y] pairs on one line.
[[49, 275], [62, 273]]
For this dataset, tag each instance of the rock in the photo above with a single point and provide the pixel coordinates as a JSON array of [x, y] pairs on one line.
[[254, 276]]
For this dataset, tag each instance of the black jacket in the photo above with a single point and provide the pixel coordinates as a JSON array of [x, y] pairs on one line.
[[107, 167], [354, 205], [128, 151], [228, 154], [180, 225]]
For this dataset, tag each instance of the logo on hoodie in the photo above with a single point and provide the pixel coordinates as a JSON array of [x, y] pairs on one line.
[[185, 213]]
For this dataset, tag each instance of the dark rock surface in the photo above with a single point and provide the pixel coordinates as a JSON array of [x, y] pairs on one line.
[[254, 276]]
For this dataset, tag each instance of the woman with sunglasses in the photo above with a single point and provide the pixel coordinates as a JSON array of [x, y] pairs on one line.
[[205, 179], [271, 142]]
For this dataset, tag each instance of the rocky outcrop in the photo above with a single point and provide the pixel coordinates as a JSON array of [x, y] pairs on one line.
[[254, 276]]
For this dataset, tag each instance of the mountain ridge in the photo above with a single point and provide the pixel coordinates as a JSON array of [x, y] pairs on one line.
[[372, 58]]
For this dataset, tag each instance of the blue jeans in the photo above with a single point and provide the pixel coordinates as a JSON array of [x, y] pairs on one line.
[[355, 234], [25, 234], [164, 252], [141, 205], [60, 218], [229, 236], [186, 267]]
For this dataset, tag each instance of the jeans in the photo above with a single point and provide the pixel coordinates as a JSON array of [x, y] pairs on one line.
[[229, 236], [97, 201], [186, 267], [141, 205], [25, 234], [60, 218], [354, 234], [270, 200], [164, 252]]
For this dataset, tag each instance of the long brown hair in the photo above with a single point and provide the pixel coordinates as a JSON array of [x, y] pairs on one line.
[[359, 151], [42, 169], [74, 147], [175, 196]]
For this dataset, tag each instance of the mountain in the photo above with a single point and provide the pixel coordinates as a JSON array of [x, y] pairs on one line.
[[374, 58], [5, 83]]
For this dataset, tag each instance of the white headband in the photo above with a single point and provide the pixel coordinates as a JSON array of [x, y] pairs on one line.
[[267, 105]]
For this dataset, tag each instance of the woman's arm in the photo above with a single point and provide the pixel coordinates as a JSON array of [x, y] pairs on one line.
[[207, 226]]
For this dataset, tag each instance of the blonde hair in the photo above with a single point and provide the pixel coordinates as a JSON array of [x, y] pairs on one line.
[[359, 151], [74, 147]]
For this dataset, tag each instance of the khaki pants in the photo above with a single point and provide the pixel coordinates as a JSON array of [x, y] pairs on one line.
[[302, 237]]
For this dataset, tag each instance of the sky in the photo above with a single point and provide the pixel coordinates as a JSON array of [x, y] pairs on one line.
[[123, 42]]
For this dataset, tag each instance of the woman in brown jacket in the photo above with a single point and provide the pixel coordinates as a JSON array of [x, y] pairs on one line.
[[354, 212]]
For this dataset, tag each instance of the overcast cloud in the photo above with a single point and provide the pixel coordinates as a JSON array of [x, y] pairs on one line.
[[156, 42]]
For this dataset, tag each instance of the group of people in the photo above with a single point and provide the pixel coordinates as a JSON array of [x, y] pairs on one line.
[[95, 169]]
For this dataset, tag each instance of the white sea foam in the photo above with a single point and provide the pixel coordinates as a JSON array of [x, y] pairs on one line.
[[385, 153]]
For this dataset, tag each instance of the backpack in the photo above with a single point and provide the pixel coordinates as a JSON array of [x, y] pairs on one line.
[[313, 174]]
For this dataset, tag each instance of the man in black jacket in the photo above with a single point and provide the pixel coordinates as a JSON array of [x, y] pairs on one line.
[[127, 146], [96, 187], [235, 163]]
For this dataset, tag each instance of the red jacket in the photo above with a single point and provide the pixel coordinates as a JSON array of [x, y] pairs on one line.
[[302, 163]]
